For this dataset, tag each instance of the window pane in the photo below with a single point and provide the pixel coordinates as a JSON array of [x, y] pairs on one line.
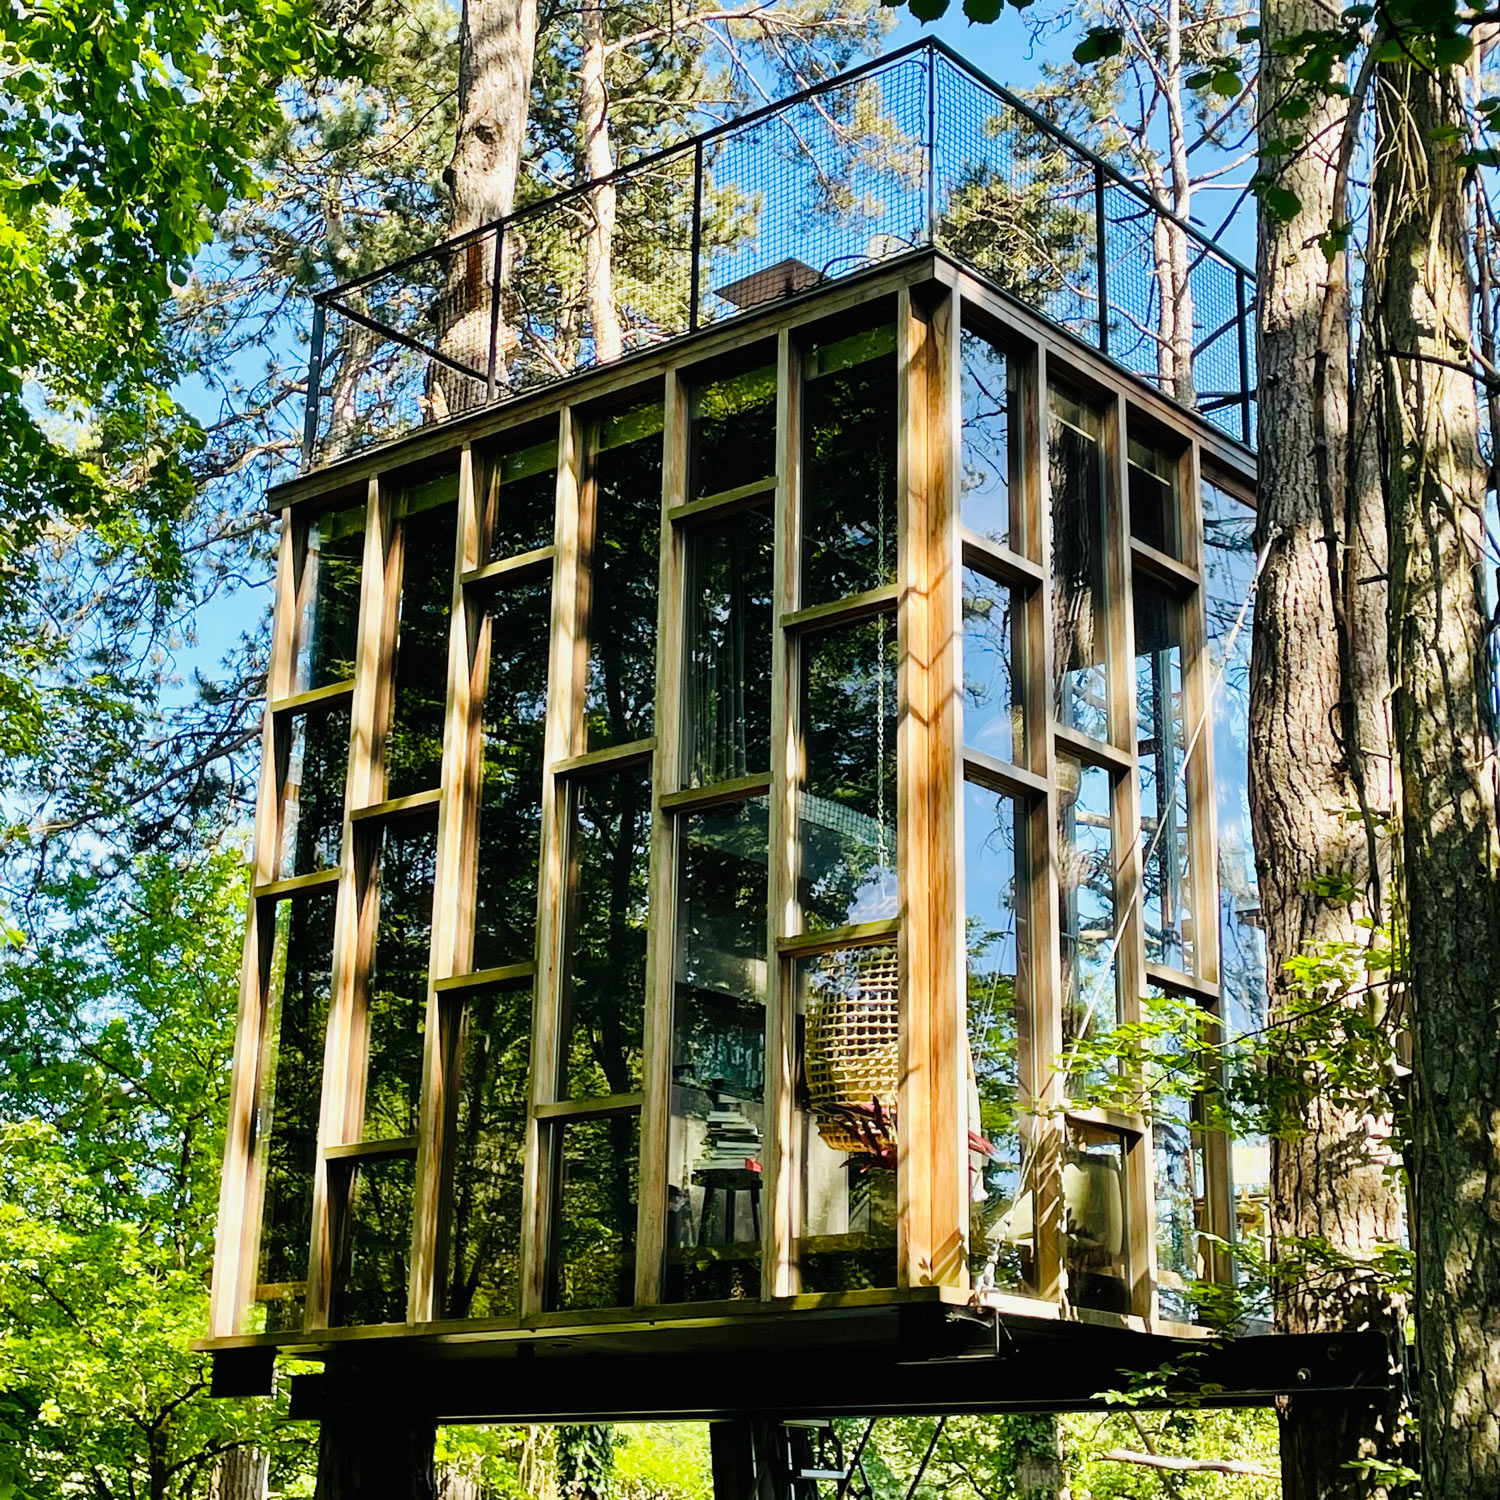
[[1161, 729], [523, 500], [1180, 1174], [605, 944], [734, 432], [1079, 582], [312, 819], [330, 598], [1086, 917], [298, 991], [848, 1042], [372, 1241], [1001, 1185], [849, 466], [991, 466], [846, 805], [623, 560], [510, 799], [1096, 1208], [492, 1064], [414, 746], [1153, 498], [398, 981], [727, 701], [993, 655], [594, 1231], [718, 1055], [1229, 564]]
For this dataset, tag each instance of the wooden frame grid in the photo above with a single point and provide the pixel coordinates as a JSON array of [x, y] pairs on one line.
[[934, 304]]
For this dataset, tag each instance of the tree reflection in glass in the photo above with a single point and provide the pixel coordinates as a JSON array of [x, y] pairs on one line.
[[1080, 605], [312, 817], [523, 500], [329, 591], [990, 472], [849, 466], [372, 1240], [717, 1126], [593, 1235], [846, 801], [605, 938], [1086, 907], [414, 744], [993, 652], [1001, 1192], [1153, 497], [734, 432]]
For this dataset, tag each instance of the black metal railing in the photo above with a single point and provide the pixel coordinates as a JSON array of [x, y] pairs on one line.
[[914, 150]]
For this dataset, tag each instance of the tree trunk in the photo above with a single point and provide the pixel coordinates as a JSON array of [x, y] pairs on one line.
[[1316, 693], [1445, 737], [1039, 1458], [599, 162], [375, 1455], [241, 1473]]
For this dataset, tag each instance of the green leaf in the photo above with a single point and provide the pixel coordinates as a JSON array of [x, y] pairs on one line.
[[1450, 51], [1281, 203], [983, 12], [1099, 42], [928, 10]]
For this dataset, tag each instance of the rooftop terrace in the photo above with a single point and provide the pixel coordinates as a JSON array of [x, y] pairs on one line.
[[913, 151]]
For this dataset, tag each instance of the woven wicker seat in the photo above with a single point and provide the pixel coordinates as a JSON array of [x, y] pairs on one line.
[[853, 1048]]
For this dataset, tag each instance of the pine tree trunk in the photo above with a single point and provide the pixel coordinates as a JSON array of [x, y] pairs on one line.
[[241, 1473], [1445, 737], [1313, 694], [599, 162], [1039, 1458], [375, 1455]]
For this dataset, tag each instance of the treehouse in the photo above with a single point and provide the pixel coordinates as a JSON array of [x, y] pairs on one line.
[[758, 701]]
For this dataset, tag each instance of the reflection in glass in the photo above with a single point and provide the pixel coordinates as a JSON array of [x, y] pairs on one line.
[[523, 500], [300, 983], [1161, 729], [604, 945], [714, 1170], [1229, 568], [312, 819], [727, 697], [844, 1121], [1002, 1221], [372, 1240], [1153, 497], [734, 432], [1086, 909], [329, 591], [491, 1063], [849, 466], [991, 465], [621, 686], [593, 1236], [510, 798], [1080, 604], [397, 1004], [993, 650], [1096, 1243], [414, 745], [1181, 1193], [846, 804]]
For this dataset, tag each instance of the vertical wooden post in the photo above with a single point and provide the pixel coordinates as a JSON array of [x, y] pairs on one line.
[[375, 1455]]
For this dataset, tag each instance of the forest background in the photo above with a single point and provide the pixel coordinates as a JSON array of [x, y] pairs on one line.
[[173, 185]]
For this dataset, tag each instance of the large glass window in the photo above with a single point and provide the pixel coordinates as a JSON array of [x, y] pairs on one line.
[[1162, 750], [990, 475], [605, 940], [623, 579], [844, 1125], [1153, 497], [727, 697], [846, 803], [397, 992], [523, 500], [329, 595], [491, 1063], [1178, 1156], [1001, 1184], [372, 1239], [414, 745], [1080, 603], [717, 1127], [1096, 1205], [593, 1233], [1086, 915], [510, 797], [849, 466], [312, 817], [297, 996], [734, 432], [993, 622]]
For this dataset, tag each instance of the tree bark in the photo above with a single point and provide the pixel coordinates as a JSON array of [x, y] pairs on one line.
[[1039, 1458], [598, 162], [1445, 738], [1318, 726], [241, 1473], [376, 1454]]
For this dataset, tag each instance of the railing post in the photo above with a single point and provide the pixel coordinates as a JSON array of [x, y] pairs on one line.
[[694, 282], [492, 379], [1242, 322], [314, 386], [931, 144], [1101, 251]]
